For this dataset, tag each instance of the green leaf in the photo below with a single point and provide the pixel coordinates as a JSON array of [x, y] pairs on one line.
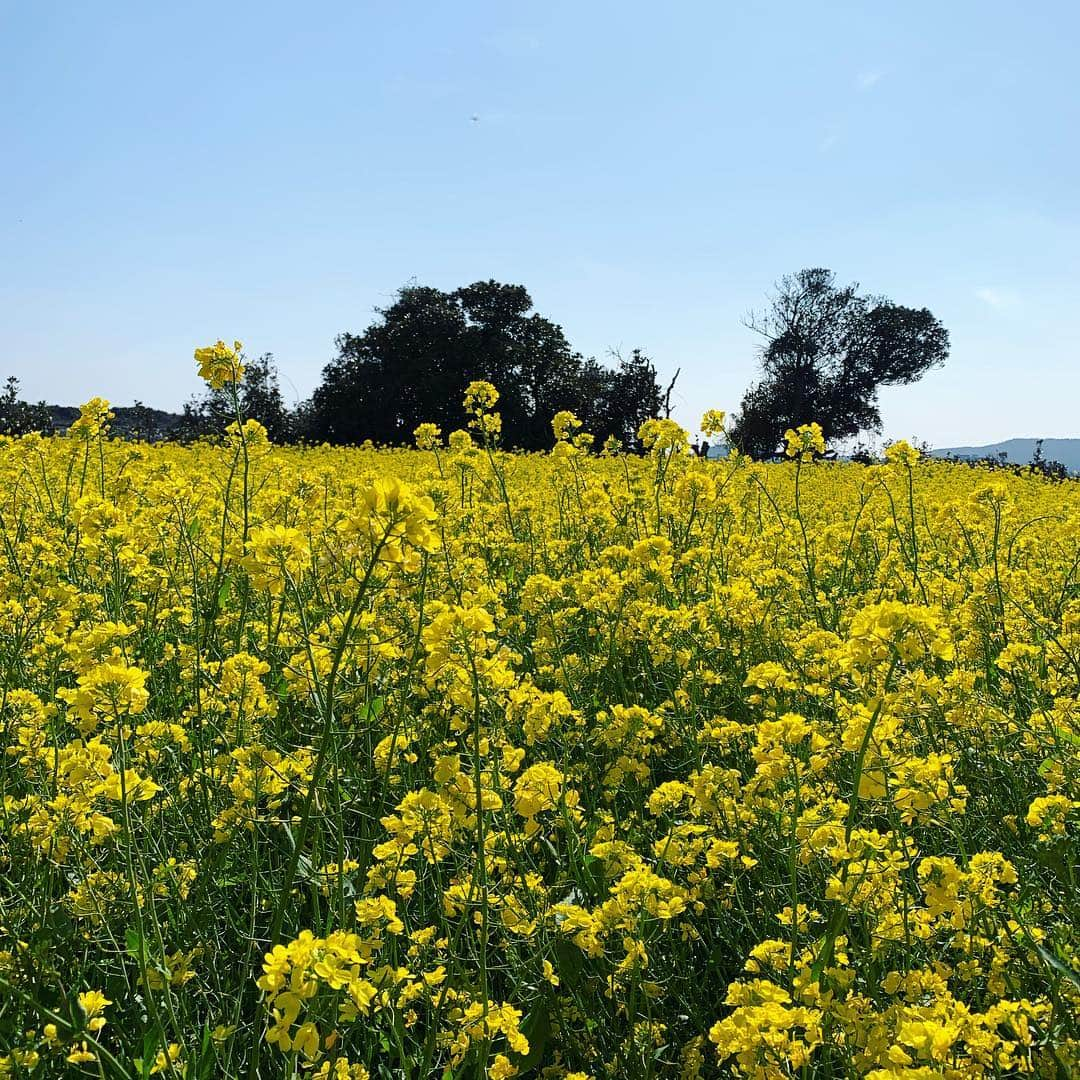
[[152, 1042], [1057, 964], [206, 1061], [571, 964], [537, 1029], [373, 709], [134, 943]]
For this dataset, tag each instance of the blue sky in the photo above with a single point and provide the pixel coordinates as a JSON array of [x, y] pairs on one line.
[[274, 171]]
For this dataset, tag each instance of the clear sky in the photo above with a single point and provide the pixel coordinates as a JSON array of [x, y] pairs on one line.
[[175, 173]]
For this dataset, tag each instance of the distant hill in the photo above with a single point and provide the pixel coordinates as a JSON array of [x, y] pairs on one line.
[[130, 420], [1020, 451]]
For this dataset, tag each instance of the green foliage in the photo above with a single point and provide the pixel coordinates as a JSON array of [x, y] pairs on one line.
[[827, 352], [18, 417], [412, 364]]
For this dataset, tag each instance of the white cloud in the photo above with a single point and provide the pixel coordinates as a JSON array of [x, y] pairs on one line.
[[997, 298], [869, 79]]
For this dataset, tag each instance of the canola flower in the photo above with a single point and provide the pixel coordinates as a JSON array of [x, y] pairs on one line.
[[451, 762], [219, 364]]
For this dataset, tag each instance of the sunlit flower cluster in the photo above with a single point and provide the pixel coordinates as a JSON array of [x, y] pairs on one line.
[[219, 364]]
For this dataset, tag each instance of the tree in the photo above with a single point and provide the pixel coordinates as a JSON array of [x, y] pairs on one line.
[[826, 354], [18, 417], [625, 397], [260, 399], [1045, 466], [413, 363], [143, 424]]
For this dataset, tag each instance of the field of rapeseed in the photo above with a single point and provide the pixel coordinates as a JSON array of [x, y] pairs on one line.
[[450, 762]]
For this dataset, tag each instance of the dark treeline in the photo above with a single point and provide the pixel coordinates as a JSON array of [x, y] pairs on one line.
[[826, 350], [1040, 463], [413, 364], [18, 417]]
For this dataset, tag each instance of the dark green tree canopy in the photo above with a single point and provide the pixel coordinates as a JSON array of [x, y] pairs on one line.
[[413, 363], [260, 399], [827, 351], [18, 417]]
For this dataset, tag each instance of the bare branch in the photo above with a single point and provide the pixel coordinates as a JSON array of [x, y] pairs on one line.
[[667, 394]]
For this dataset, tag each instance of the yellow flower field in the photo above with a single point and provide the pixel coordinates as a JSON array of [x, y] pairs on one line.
[[457, 763]]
